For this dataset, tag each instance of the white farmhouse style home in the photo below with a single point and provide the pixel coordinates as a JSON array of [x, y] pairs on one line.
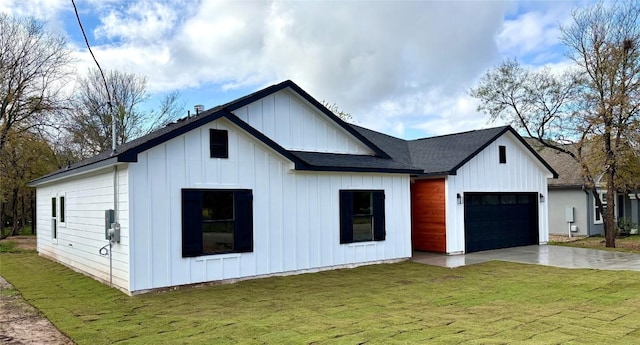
[[274, 183]]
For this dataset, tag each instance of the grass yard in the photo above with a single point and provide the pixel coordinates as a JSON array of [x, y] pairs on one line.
[[405, 303], [630, 244]]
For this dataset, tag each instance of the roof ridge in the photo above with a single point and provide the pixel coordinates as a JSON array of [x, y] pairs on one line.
[[459, 133]]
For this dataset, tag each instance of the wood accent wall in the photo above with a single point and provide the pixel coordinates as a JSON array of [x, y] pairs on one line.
[[428, 223]]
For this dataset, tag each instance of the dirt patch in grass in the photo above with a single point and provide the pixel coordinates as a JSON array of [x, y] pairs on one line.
[[19, 243], [403, 303], [20, 323]]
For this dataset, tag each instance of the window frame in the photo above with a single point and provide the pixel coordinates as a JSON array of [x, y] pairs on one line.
[[597, 217], [346, 214], [62, 209], [54, 217], [218, 143], [502, 154], [193, 222]]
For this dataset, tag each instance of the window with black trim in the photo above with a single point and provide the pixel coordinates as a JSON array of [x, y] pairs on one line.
[[54, 219], [216, 221], [502, 153], [218, 143], [362, 216], [62, 210], [598, 219]]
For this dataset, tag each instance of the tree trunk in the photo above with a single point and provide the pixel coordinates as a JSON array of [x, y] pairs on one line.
[[32, 202], [14, 212], [2, 213], [610, 230], [23, 215]]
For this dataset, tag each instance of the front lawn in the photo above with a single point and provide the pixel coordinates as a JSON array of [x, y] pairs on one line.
[[405, 303], [629, 244]]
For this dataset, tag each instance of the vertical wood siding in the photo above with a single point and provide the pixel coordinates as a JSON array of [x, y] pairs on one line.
[[82, 235], [428, 223], [522, 173], [287, 119], [296, 214]]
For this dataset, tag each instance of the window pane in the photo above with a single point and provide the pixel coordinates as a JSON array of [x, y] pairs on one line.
[[217, 206], [524, 199], [217, 236], [362, 228], [490, 199], [508, 199], [53, 207], [362, 203], [61, 209]]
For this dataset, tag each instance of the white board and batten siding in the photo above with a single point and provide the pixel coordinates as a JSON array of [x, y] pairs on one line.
[[81, 236], [295, 214], [522, 172], [289, 120]]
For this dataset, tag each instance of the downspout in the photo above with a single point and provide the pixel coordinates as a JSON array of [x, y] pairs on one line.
[[115, 220]]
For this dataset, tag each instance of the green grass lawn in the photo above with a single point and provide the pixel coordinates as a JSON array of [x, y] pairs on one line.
[[629, 244], [404, 303]]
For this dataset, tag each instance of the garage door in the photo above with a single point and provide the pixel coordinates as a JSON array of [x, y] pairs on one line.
[[500, 220]]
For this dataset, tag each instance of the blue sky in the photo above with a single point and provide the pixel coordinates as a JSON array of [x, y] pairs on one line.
[[399, 67]]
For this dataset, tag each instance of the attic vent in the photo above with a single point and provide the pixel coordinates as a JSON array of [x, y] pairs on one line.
[[218, 143], [198, 108]]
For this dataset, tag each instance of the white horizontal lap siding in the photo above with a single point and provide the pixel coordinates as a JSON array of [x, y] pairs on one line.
[[295, 214], [81, 236], [294, 124], [483, 173]]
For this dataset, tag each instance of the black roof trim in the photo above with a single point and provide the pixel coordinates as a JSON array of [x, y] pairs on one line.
[[69, 172], [241, 102], [524, 142]]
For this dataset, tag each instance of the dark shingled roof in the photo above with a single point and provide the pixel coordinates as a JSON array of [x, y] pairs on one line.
[[320, 161], [128, 152], [442, 155]]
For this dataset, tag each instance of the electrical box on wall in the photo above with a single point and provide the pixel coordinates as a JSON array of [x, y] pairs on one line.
[[569, 214], [109, 218]]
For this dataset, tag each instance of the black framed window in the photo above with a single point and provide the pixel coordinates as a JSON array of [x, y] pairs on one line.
[[502, 153], [54, 219], [218, 143], [62, 210], [216, 221], [362, 216]]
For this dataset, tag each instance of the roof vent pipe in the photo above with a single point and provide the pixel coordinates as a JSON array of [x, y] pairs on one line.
[[198, 108]]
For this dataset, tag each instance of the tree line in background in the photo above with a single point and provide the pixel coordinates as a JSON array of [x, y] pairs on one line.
[[46, 124], [50, 118]]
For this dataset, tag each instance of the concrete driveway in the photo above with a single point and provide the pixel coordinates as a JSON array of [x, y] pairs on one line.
[[547, 255]]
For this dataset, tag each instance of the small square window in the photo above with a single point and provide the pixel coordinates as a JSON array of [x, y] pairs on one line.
[[502, 151], [218, 143]]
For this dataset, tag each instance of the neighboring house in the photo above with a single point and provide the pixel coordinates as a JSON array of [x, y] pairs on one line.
[[572, 207], [274, 183]]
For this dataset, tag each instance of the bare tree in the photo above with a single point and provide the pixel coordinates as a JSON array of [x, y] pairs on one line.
[[344, 116], [33, 66], [595, 106], [89, 120]]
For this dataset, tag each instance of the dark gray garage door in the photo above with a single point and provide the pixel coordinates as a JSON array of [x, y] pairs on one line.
[[500, 220]]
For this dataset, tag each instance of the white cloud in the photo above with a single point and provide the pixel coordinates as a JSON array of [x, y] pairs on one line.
[[396, 66]]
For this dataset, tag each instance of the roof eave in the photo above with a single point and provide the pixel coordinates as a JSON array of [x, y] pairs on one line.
[[73, 172]]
